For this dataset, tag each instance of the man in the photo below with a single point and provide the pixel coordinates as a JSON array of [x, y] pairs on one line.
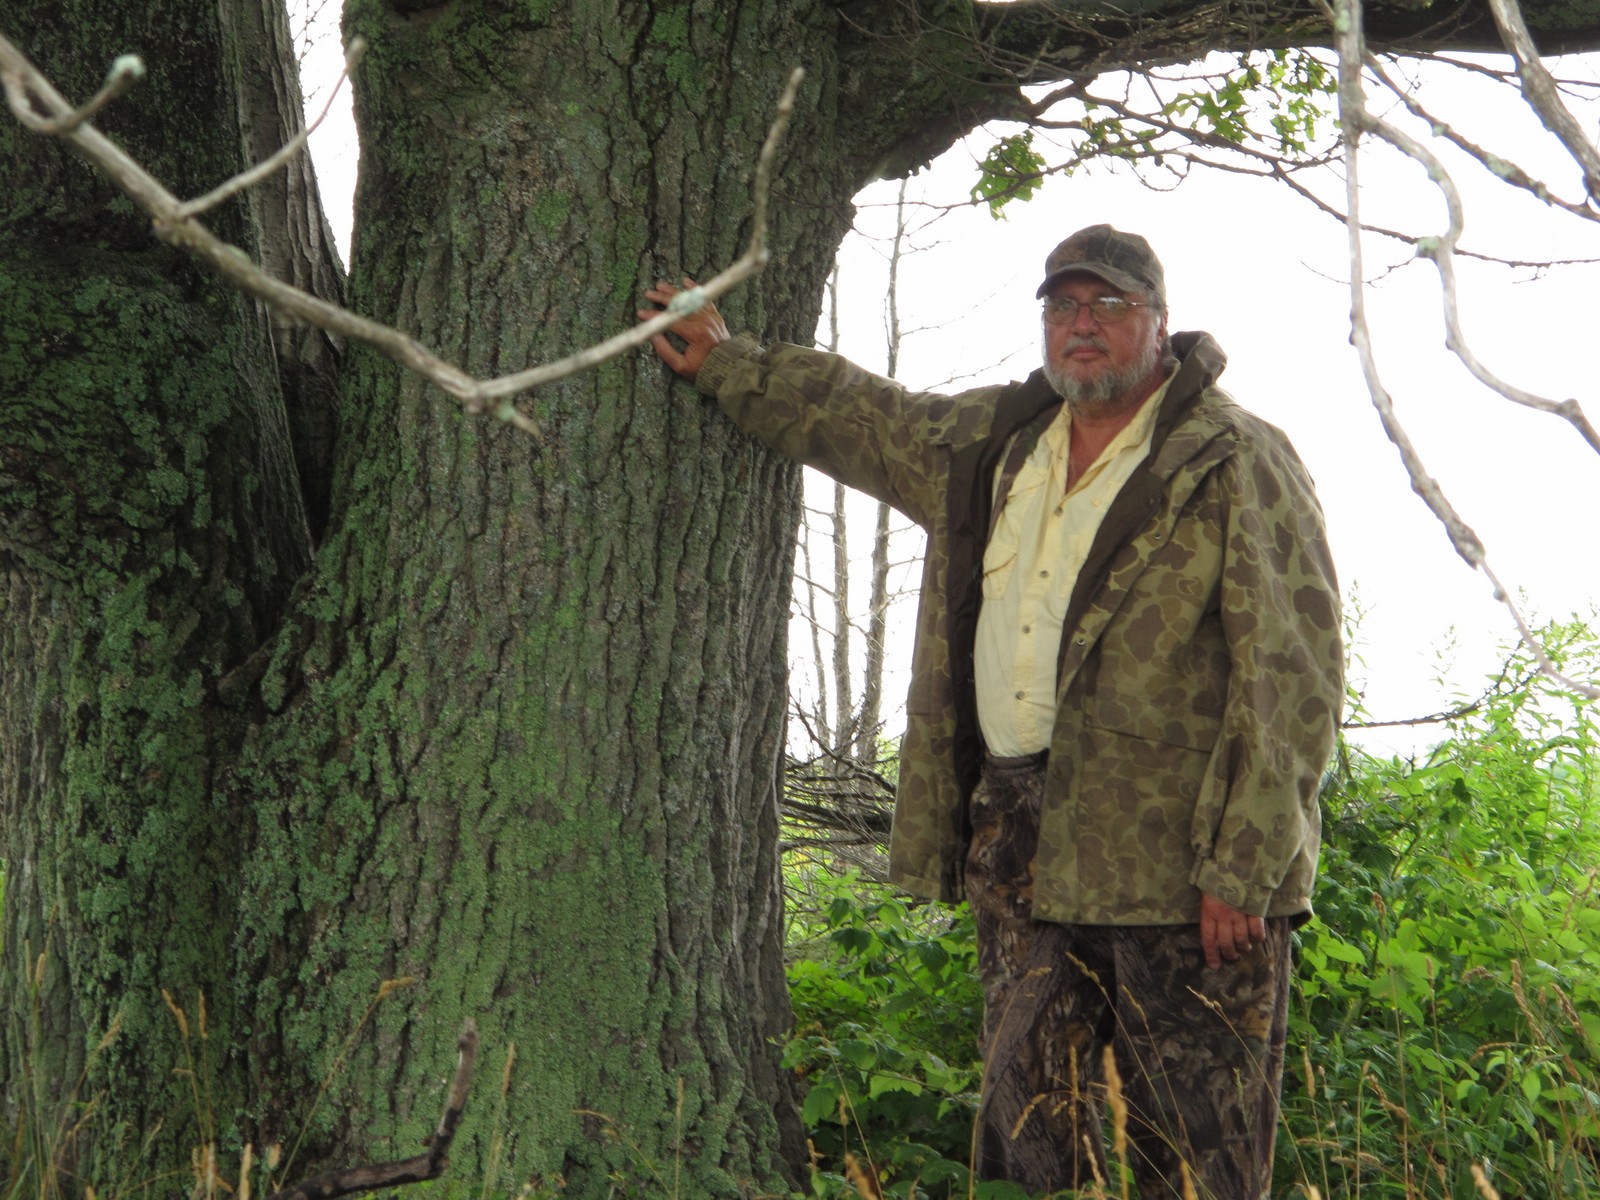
[[1126, 682]]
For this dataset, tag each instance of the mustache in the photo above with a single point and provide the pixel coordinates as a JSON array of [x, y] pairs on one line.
[[1085, 343]]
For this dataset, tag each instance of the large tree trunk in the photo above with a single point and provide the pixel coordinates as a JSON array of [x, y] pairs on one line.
[[516, 734], [150, 530], [529, 758]]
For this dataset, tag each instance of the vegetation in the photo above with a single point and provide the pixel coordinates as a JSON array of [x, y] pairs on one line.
[[1447, 999]]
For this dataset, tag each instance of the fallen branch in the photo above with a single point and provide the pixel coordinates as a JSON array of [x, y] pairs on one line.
[[38, 106], [431, 1165]]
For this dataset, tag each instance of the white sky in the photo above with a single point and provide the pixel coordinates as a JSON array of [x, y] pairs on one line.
[[1266, 273]]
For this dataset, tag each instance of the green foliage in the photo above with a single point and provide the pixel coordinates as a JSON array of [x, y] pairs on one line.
[[1012, 170], [1292, 88], [887, 1007], [1266, 105], [1449, 990]]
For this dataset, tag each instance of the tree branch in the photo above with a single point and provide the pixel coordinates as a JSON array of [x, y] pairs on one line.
[[1539, 89], [1499, 167], [1356, 119], [406, 1170], [40, 107]]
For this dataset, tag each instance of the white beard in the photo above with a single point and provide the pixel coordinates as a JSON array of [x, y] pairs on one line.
[[1110, 386]]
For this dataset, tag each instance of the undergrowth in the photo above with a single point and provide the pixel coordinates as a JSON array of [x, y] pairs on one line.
[[1446, 1003]]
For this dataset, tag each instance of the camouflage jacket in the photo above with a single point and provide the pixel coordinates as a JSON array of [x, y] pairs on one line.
[[1201, 667]]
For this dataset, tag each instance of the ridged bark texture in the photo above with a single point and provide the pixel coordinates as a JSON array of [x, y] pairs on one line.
[[150, 528], [545, 696]]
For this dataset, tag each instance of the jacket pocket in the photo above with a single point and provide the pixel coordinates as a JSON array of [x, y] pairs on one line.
[[1171, 722]]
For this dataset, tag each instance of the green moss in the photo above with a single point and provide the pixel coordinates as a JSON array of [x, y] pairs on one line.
[[548, 213], [685, 73]]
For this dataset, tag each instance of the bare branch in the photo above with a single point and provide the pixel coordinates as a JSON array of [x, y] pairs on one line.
[[1504, 684], [26, 87], [1441, 251], [1501, 168], [248, 179], [431, 1165], [1540, 90], [1356, 119]]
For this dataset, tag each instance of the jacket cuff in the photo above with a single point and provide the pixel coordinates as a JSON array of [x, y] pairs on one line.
[[719, 364], [1250, 898]]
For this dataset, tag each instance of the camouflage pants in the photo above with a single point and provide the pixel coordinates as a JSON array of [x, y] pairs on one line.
[[1199, 1052]]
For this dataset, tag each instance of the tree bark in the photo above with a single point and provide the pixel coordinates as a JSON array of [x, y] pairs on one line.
[[151, 526]]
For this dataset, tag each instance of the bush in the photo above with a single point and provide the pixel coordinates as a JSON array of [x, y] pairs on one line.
[[887, 1009]]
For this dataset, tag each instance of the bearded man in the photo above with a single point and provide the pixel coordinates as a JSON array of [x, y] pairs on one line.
[[1126, 683]]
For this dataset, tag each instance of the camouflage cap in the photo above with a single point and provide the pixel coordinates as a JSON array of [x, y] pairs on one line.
[[1124, 260]]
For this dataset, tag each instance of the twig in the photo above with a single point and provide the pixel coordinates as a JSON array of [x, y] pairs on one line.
[[406, 1170], [1356, 119], [27, 87], [126, 71], [281, 158]]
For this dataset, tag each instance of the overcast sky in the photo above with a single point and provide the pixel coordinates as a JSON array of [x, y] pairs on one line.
[[1267, 275]]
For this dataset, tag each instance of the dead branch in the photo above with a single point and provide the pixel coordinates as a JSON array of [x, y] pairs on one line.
[[38, 106], [1542, 93], [1503, 684], [1440, 250], [431, 1165], [1500, 167], [1356, 120]]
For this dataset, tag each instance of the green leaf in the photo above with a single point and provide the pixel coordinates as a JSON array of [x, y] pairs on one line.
[[882, 1083], [1010, 171], [822, 1103]]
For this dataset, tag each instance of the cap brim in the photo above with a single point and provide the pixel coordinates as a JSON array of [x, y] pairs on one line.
[[1116, 278]]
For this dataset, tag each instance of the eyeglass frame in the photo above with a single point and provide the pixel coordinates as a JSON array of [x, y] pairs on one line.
[[1063, 310]]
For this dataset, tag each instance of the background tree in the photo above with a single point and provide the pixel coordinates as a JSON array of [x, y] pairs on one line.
[[311, 683]]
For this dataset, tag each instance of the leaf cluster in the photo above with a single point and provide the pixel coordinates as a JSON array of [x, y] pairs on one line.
[[887, 1009]]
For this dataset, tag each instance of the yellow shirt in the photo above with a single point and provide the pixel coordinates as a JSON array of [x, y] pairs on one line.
[[1029, 569]]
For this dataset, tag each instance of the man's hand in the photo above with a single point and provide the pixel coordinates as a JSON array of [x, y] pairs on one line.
[[701, 331], [1226, 932]]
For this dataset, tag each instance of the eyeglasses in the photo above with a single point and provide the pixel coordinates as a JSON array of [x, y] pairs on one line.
[[1106, 310]]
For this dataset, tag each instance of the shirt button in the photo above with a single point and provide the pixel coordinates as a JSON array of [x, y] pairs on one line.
[[1044, 574], [1081, 641], [1020, 695], [1027, 629]]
